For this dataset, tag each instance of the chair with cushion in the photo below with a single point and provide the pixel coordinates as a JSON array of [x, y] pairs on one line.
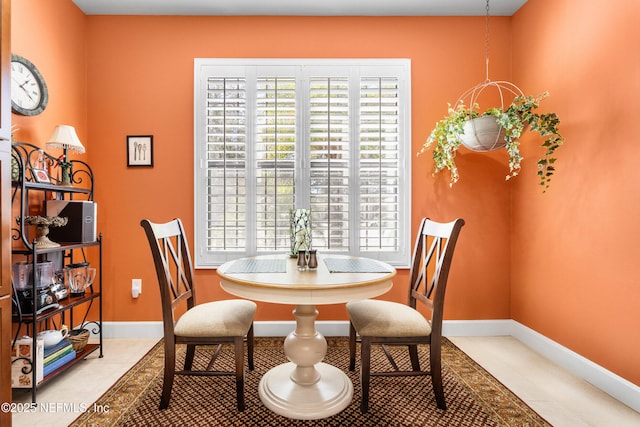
[[395, 324], [225, 322]]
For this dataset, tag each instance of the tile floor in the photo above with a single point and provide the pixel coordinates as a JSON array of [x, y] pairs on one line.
[[62, 400], [561, 398]]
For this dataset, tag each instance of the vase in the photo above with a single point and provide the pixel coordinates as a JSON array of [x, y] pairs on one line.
[[483, 134], [66, 174], [300, 230], [312, 264], [302, 260], [42, 241]]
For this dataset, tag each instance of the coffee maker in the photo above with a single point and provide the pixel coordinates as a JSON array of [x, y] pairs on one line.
[[23, 283]]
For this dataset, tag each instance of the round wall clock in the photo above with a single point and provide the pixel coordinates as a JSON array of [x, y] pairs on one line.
[[29, 95]]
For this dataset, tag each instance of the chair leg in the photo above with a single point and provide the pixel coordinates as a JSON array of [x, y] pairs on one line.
[[188, 358], [365, 372], [352, 347], [250, 339], [239, 355], [169, 372], [436, 373], [413, 356]]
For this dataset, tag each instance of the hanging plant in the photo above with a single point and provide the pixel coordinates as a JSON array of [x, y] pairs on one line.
[[448, 134], [501, 126]]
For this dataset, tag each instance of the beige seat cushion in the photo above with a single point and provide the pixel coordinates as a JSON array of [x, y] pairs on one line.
[[226, 318], [376, 318]]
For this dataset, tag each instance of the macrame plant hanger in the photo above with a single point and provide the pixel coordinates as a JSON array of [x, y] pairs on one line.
[[470, 99]]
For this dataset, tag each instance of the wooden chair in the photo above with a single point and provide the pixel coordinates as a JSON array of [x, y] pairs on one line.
[[213, 323], [391, 323]]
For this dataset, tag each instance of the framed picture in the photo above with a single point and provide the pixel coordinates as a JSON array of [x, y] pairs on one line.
[[40, 175], [140, 150]]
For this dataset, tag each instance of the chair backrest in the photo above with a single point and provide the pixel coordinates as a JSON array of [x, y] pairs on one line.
[[172, 260], [432, 255]]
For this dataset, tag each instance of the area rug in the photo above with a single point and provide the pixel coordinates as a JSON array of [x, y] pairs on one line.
[[474, 397]]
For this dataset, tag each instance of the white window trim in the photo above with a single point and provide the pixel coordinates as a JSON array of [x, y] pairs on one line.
[[400, 259]]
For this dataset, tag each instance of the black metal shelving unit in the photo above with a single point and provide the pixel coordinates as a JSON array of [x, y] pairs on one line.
[[25, 189]]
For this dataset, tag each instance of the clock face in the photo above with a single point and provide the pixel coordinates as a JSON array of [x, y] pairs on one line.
[[28, 90]]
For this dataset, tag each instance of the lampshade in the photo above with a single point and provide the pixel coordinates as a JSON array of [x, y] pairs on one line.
[[64, 136]]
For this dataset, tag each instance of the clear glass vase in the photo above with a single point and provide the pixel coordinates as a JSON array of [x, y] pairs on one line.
[[300, 230]]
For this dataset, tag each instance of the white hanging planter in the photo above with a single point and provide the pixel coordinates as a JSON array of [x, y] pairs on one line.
[[483, 134]]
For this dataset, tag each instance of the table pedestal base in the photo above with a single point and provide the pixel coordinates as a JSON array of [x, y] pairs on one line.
[[305, 388], [329, 395]]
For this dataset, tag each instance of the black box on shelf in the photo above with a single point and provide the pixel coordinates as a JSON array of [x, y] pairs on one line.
[[81, 226]]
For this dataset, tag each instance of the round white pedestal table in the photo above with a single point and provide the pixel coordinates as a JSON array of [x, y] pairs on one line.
[[305, 387]]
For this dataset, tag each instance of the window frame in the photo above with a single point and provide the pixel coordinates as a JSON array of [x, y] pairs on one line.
[[226, 67]]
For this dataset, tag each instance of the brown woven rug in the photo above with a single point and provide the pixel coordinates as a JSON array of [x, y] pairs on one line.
[[474, 397]]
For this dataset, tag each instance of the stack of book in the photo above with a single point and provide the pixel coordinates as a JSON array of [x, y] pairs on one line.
[[57, 356]]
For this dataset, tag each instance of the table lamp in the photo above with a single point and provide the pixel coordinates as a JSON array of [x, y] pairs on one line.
[[65, 137]]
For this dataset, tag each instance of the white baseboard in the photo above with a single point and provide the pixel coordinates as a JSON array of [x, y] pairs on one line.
[[612, 384], [334, 328], [282, 328], [261, 329], [132, 330], [477, 328]]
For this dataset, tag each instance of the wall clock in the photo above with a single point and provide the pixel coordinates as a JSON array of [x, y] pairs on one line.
[[29, 95]]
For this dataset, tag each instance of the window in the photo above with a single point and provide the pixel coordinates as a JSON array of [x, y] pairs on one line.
[[329, 135]]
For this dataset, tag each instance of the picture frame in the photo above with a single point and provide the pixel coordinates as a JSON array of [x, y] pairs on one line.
[[140, 150], [40, 175]]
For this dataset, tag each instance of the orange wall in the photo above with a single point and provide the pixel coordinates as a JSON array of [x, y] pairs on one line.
[[575, 249], [141, 82]]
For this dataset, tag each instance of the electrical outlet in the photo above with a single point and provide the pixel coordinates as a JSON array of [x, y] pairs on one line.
[[136, 287]]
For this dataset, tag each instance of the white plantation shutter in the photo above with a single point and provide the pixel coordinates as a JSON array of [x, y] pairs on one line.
[[275, 148], [226, 146], [379, 164], [329, 153], [328, 135]]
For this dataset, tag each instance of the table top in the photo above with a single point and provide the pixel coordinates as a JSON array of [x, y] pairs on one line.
[[275, 278]]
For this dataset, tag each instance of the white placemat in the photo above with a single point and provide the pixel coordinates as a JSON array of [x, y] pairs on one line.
[[355, 265], [276, 265]]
